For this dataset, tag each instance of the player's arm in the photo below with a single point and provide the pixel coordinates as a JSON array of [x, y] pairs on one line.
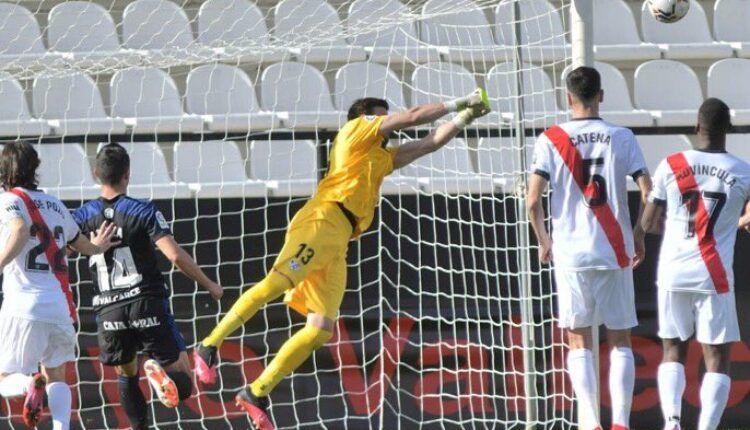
[[430, 112], [744, 222], [18, 236], [536, 186], [100, 241], [639, 234], [413, 150], [183, 261]]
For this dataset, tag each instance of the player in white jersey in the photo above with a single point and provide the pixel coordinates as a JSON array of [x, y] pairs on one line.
[[587, 161], [37, 315], [702, 192]]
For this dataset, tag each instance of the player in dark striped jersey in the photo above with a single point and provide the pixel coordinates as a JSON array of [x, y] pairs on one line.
[[132, 306]]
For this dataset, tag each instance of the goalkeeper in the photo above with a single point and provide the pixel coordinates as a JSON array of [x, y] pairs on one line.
[[311, 267]]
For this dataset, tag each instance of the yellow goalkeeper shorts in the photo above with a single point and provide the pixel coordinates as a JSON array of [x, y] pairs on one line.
[[314, 259]]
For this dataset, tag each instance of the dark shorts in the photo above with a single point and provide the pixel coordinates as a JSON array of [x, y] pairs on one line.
[[145, 325]]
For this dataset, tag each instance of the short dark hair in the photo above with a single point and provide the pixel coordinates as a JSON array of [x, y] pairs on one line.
[[584, 83], [112, 163], [18, 166], [365, 106], [714, 117]]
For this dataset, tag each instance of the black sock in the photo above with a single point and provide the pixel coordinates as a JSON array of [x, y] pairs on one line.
[[184, 384], [132, 400]]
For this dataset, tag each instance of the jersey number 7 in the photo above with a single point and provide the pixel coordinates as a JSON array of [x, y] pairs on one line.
[[714, 202]]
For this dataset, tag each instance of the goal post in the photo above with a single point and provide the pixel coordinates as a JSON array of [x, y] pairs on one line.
[[228, 109]]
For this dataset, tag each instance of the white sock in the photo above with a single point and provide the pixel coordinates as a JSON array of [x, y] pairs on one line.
[[583, 376], [714, 396], [671, 379], [621, 383], [59, 398], [14, 385]]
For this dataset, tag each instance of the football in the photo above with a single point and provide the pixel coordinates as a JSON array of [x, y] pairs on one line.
[[668, 11]]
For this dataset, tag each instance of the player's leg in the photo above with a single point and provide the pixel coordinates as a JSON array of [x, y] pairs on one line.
[[676, 326], [716, 329], [59, 398], [24, 345], [132, 399], [621, 377]]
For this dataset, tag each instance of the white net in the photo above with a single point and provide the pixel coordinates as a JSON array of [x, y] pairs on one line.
[[228, 109]]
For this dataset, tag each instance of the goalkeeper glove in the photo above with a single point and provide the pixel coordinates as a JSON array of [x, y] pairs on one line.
[[476, 99], [468, 115]]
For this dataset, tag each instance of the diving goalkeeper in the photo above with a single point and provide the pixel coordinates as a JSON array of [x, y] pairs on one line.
[[311, 267]]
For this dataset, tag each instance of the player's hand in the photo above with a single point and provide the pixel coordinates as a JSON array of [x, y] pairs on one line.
[[639, 240], [104, 237], [477, 101], [215, 290], [545, 252]]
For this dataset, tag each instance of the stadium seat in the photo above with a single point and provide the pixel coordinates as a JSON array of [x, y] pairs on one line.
[[225, 97], [449, 171], [438, 82], [85, 33], [152, 179], [15, 118], [616, 35], [730, 24], [73, 105], [498, 158], [686, 39], [617, 106], [289, 167], [236, 28], [300, 22], [148, 100], [65, 172], [657, 148], [21, 40], [542, 33], [539, 96], [739, 145], [672, 102], [728, 80], [357, 80], [461, 36], [214, 169], [299, 95], [388, 44]]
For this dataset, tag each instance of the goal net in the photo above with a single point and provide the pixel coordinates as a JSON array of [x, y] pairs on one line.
[[228, 109]]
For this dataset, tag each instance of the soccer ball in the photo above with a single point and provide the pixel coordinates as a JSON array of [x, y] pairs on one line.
[[668, 11]]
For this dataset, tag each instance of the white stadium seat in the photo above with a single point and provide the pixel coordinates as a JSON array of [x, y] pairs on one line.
[[674, 101], [300, 22], [73, 105], [728, 80], [155, 24], [439, 82], [85, 32], [236, 28], [657, 148], [225, 97], [539, 95], [299, 95], [460, 36], [449, 171], [617, 106], [289, 167], [498, 158], [542, 33], [65, 172], [21, 40], [739, 145], [214, 169], [357, 80], [389, 43], [616, 35], [15, 118], [148, 100], [730, 24], [152, 179], [686, 39]]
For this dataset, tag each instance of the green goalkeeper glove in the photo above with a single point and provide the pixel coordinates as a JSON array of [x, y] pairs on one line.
[[477, 110], [476, 99]]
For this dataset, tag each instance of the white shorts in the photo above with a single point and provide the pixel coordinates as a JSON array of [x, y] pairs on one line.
[[712, 317], [26, 344], [591, 297]]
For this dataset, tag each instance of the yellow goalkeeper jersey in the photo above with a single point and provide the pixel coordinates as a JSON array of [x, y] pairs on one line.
[[358, 163]]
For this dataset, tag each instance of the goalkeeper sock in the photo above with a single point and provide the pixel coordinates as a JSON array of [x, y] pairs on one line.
[[14, 385], [671, 380], [621, 383], [583, 377], [271, 287], [291, 355], [132, 400], [59, 402], [714, 396]]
